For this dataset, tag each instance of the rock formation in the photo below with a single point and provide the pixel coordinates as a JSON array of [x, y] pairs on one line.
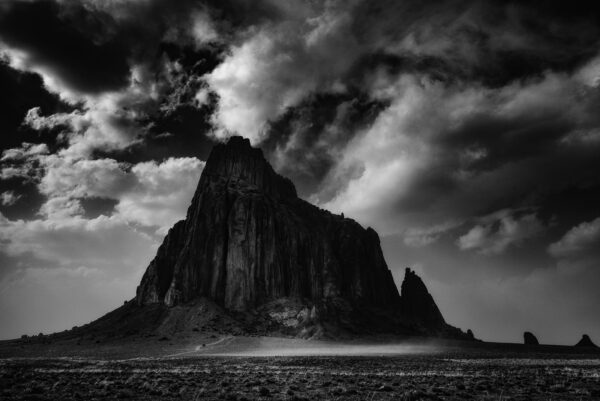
[[249, 243], [530, 339], [249, 239], [417, 303], [585, 342]]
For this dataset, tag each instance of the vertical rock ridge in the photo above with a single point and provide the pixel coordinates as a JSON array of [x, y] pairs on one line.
[[417, 302], [248, 240]]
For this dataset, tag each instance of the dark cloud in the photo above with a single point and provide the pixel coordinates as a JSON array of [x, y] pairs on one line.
[[22, 91], [181, 133], [305, 142], [436, 68], [490, 42], [197, 61], [92, 46], [467, 130], [66, 41], [178, 125], [527, 159], [233, 15]]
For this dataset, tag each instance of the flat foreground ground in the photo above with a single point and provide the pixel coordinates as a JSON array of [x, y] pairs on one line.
[[231, 368]]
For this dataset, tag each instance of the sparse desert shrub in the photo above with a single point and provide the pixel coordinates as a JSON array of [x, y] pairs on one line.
[[411, 395]]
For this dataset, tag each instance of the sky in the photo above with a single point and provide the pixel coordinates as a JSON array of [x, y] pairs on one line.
[[466, 133]]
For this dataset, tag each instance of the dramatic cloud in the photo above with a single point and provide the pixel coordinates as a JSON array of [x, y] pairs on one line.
[[280, 64], [147, 193], [436, 149], [23, 153], [162, 192], [467, 132], [65, 50]]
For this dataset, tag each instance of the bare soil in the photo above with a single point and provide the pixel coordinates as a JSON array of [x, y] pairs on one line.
[[212, 367]]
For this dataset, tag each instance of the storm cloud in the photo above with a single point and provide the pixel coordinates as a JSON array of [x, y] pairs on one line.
[[465, 132]]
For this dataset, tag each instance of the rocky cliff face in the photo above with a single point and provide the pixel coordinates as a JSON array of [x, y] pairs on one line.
[[417, 303], [248, 240]]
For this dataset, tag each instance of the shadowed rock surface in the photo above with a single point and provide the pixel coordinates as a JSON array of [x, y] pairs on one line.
[[586, 342], [530, 339], [251, 246], [417, 303], [264, 261], [248, 239]]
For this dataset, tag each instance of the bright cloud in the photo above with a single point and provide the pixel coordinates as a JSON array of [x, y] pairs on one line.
[[579, 239], [496, 232], [9, 198]]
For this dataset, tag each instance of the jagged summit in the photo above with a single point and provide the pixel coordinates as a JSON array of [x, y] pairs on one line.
[[418, 303], [249, 244], [237, 161]]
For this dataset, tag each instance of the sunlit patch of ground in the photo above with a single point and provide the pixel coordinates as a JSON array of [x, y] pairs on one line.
[[285, 347], [288, 369]]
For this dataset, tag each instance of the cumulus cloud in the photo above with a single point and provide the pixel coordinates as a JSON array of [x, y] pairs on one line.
[[9, 198], [578, 240], [422, 236], [152, 194], [496, 232], [104, 123], [105, 178], [162, 192], [24, 152], [22, 162], [148, 193], [281, 63]]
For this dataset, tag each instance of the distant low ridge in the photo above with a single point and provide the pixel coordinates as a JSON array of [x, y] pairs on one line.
[[586, 342]]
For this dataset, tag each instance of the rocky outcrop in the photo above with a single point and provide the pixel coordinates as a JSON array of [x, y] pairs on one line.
[[248, 241], [530, 339], [417, 304], [586, 342]]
